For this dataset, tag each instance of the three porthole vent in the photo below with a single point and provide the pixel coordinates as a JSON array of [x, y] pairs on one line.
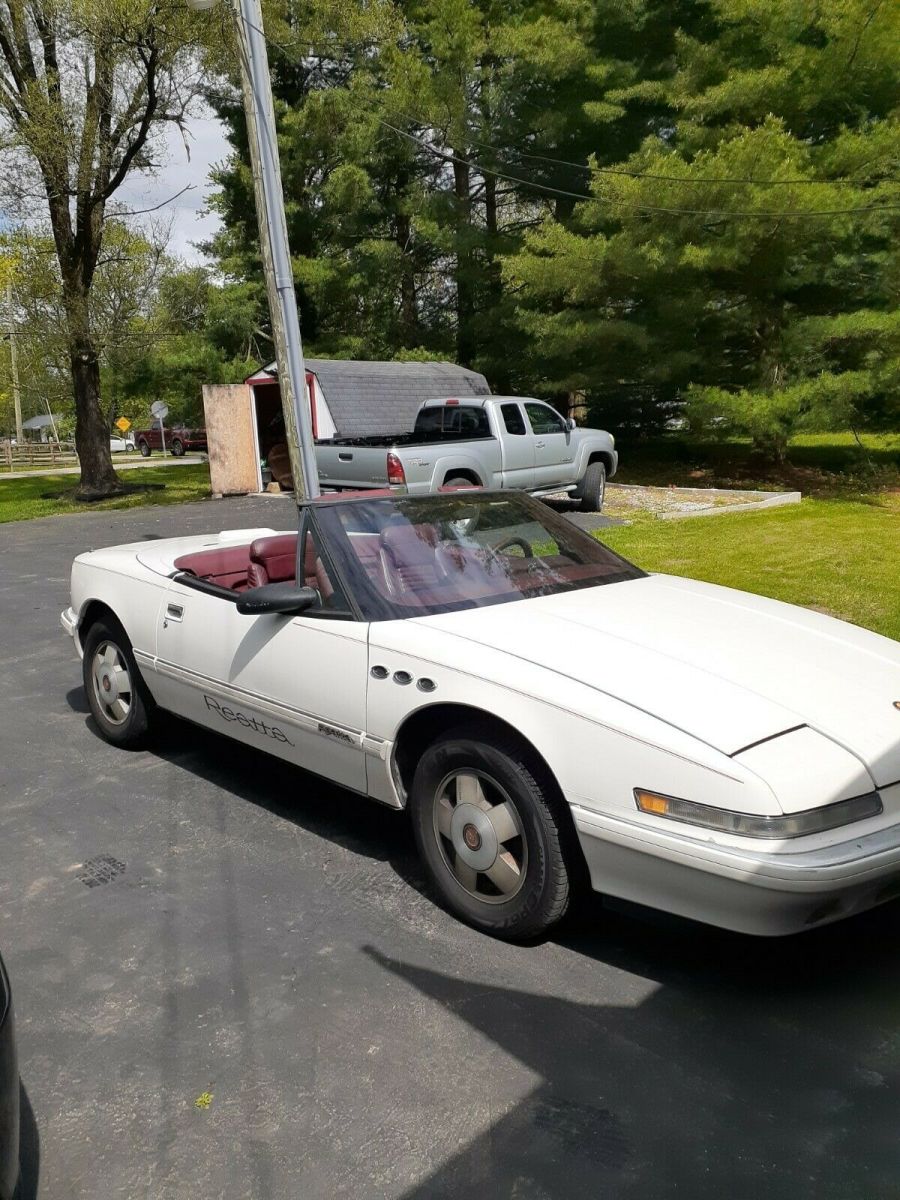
[[404, 678]]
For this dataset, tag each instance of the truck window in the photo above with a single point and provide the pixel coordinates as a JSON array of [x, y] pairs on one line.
[[513, 419], [429, 420], [544, 420], [455, 420]]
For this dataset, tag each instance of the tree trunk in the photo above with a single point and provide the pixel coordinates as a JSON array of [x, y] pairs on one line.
[[77, 261], [98, 479], [409, 316], [465, 290]]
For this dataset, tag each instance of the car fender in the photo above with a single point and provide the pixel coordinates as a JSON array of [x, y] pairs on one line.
[[594, 443], [597, 747], [133, 598], [446, 464]]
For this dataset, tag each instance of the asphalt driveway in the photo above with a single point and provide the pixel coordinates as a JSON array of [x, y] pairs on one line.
[[230, 982]]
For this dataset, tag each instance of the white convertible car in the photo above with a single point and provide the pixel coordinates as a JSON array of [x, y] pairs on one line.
[[545, 710]]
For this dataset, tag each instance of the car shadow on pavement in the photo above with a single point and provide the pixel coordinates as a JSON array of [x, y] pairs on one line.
[[29, 1149], [309, 801], [739, 1069]]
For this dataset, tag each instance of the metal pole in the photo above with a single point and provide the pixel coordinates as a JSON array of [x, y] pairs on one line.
[[291, 368], [14, 365]]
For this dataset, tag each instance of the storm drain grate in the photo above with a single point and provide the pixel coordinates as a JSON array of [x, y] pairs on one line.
[[102, 869]]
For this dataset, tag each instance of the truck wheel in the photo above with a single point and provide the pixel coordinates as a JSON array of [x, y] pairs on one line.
[[488, 835], [177, 447], [118, 697], [593, 487], [460, 481], [144, 449]]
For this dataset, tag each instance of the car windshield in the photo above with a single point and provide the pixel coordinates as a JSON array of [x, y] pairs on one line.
[[410, 556]]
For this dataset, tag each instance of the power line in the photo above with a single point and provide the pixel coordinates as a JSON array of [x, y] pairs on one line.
[[549, 189], [447, 156], [564, 162], [325, 48]]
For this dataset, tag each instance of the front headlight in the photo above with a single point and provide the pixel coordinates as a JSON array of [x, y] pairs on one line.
[[813, 820]]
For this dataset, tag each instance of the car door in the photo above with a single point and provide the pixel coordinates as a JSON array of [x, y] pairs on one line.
[[518, 447], [294, 686], [554, 449]]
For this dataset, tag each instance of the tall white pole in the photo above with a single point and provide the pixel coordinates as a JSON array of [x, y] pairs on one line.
[[273, 227], [14, 365]]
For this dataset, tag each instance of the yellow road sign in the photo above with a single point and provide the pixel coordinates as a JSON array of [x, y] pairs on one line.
[[124, 424]]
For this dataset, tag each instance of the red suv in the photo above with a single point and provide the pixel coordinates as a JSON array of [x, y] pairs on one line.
[[178, 440]]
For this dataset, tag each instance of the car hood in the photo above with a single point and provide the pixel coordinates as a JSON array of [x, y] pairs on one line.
[[726, 667]]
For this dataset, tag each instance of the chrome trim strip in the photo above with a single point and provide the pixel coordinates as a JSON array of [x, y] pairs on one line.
[[375, 746]]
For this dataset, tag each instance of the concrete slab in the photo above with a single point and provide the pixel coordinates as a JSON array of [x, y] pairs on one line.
[[264, 1001]]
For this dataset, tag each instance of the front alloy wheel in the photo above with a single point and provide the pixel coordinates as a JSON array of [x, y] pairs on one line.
[[117, 696], [480, 836], [489, 831], [113, 689]]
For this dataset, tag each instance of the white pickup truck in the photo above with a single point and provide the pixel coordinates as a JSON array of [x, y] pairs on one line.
[[490, 441]]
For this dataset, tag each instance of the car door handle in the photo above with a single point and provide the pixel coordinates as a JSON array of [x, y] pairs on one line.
[[174, 612], [540, 445], [345, 458]]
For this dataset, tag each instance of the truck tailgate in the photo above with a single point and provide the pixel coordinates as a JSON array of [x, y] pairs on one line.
[[351, 466]]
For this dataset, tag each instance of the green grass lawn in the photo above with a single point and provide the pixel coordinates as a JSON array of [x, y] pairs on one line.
[[50, 495], [837, 556]]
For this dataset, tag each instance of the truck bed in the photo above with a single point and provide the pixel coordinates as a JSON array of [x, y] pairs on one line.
[[387, 441]]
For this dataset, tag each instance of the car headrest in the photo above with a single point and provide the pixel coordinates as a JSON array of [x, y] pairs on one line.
[[277, 556], [410, 544]]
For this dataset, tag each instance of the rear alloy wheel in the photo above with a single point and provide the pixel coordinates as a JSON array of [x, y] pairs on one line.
[[459, 481], [144, 449], [118, 699], [489, 836], [593, 488], [177, 447]]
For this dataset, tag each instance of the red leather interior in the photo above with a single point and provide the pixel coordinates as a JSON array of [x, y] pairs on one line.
[[226, 566], [367, 548], [408, 557], [272, 560]]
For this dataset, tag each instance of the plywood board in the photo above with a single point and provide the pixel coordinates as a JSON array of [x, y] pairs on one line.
[[233, 465]]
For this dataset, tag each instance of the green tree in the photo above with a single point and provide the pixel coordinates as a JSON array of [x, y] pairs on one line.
[[391, 136], [193, 332], [724, 263], [85, 88]]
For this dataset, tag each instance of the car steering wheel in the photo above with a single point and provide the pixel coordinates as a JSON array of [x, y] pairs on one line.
[[514, 541]]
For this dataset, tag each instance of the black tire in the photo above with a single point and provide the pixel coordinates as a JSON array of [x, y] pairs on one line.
[[460, 481], [593, 487], [533, 863], [107, 640], [144, 448], [177, 447]]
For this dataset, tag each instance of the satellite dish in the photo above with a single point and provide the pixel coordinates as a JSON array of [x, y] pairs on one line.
[[159, 409]]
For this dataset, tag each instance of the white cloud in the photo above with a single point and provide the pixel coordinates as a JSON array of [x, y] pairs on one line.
[[191, 223]]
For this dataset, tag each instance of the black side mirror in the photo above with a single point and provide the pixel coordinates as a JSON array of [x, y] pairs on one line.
[[289, 598]]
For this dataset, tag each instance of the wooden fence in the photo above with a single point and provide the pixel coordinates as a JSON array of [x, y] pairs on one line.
[[38, 454]]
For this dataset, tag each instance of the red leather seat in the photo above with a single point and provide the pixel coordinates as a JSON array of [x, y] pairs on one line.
[[273, 560], [408, 558], [226, 566]]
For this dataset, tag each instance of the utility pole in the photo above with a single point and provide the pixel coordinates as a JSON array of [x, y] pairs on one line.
[[14, 365], [273, 240]]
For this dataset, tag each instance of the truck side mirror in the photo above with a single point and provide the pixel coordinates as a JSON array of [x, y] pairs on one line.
[[570, 423]]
